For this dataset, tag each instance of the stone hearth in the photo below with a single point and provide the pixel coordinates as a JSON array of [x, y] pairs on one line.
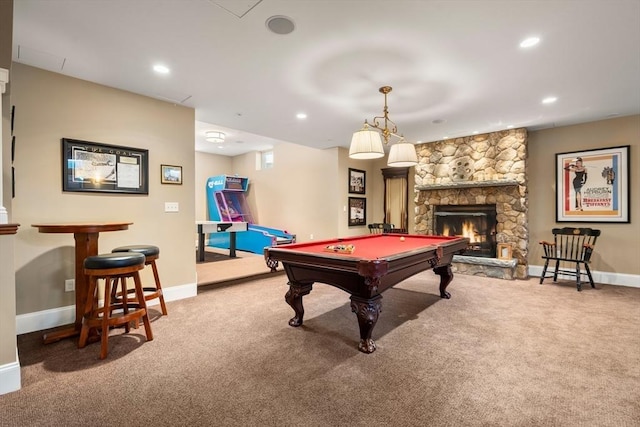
[[480, 169]]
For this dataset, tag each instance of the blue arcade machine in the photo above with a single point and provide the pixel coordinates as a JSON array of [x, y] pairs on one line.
[[226, 201]]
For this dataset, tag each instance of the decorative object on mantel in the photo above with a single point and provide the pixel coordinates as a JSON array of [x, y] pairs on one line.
[[504, 251], [367, 142], [461, 169]]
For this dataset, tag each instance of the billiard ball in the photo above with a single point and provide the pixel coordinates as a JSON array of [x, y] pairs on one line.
[[402, 239]]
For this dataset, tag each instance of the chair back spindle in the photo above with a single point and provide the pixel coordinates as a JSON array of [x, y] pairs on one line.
[[570, 245]]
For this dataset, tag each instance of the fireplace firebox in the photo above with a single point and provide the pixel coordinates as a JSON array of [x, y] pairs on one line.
[[476, 222]]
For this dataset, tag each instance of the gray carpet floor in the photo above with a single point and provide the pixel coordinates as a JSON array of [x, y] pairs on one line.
[[498, 353]]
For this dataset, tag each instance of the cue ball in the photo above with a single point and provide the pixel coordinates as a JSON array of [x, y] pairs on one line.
[[402, 239]]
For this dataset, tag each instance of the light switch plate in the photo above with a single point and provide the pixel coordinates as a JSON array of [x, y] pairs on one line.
[[171, 207]]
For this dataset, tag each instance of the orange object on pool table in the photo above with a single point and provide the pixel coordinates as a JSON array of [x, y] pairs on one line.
[[378, 263]]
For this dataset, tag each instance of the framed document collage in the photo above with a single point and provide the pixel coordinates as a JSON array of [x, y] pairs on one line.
[[95, 167]]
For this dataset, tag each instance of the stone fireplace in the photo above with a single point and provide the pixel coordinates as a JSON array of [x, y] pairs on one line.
[[475, 222], [457, 176]]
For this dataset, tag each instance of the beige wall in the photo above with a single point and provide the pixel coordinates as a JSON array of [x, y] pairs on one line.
[[618, 248], [299, 187], [305, 193], [208, 165], [50, 106], [8, 354], [297, 195]]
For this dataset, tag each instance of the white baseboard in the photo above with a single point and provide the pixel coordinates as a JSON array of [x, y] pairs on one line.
[[10, 376], [603, 277], [45, 319]]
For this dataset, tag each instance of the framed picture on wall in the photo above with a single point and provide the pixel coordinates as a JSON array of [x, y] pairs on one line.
[[356, 181], [593, 185], [357, 211], [170, 174], [95, 167]]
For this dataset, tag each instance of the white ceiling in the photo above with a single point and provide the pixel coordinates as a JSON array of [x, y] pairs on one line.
[[455, 66]]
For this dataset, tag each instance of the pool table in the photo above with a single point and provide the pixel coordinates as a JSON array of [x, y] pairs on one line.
[[376, 263]]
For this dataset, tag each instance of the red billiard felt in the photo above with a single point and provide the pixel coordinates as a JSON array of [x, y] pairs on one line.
[[371, 247]]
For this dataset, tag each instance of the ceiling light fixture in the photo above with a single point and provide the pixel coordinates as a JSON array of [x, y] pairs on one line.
[[161, 69], [367, 143], [531, 41], [214, 136]]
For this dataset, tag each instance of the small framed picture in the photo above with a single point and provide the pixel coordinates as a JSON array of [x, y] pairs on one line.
[[357, 181], [170, 174], [357, 211], [504, 251]]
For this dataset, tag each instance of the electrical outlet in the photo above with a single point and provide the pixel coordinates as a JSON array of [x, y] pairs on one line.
[[311, 237], [171, 207], [69, 285]]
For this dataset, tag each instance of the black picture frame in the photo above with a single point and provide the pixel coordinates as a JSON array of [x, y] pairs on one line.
[[357, 211], [593, 185], [357, 181], [104, 168]]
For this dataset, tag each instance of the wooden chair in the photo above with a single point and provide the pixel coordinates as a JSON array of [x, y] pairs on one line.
[[571, 246], [380, 227]]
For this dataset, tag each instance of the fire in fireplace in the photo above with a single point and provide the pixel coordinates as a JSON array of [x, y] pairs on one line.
[[476, 222]]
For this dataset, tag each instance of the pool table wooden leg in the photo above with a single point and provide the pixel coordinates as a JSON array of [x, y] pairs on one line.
[[293, 297], [446, 276], [367, 311]]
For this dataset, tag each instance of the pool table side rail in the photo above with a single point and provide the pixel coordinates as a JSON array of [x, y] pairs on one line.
[[361, 275]]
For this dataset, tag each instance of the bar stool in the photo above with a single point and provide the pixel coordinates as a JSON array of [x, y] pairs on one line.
[[113, 267], [151, 254]]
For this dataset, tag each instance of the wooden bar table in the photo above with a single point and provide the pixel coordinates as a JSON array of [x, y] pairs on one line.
[[86, 237]]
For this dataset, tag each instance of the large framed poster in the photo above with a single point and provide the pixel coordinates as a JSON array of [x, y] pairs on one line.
[[95, 167], [593, 185]]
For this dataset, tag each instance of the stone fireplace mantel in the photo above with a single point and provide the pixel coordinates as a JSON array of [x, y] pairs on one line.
[[468, 184]]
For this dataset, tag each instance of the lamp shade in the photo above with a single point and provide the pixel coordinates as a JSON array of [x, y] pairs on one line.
[[402, 154], [366, 144]]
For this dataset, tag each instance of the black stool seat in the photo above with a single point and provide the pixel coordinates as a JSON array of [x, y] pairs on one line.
[[146, 250], [113, 268], [117, 260], [151, 253]]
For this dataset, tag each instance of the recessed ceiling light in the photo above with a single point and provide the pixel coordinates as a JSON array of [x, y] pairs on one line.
[[279, 24], [549, 100], [301, 116], [161, 69], [529, 42], [475, 132], [510, 127]]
